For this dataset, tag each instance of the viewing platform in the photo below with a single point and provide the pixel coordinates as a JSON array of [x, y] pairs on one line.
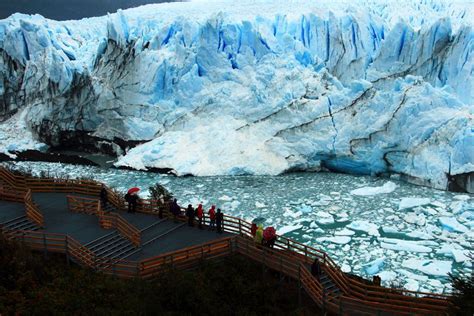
[[66, 216]]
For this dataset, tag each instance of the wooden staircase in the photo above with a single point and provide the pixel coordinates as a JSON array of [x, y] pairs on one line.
[[20, 223]]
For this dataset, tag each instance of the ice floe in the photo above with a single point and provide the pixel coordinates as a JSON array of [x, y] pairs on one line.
[[403, 245], [287, 229], [341, 240], [374, 267], [365, 191], [364, 226], [411, 202], [451, 224], [429, 267]]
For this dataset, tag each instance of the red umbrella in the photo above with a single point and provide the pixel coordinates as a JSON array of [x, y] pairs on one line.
[[133, 190], [269, 233]]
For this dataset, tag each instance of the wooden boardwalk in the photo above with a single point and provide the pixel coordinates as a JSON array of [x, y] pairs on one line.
[[66, 216]]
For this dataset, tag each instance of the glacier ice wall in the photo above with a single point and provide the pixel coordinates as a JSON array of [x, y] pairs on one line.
[[258, 87]]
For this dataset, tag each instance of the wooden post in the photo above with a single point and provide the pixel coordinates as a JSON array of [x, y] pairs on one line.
[[67, 250], [299, 284], [45, 250], [324, 300], [240, 226]]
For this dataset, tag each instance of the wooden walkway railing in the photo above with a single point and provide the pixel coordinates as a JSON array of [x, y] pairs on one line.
[[79, 204], [32, 210], [7, 193], [126, 229], [288, 256], [187, 257]]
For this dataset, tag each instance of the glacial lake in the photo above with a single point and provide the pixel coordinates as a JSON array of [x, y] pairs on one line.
[[409, 235]]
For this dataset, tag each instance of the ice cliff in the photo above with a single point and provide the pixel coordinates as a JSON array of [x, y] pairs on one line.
[[258, 87]]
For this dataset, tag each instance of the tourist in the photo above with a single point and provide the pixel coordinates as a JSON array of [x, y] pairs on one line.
[[190, 215], [161, 206], [253, 229], [103, 197], [200, 215], [269, 236], [376, 280], [259, 235], [134, 198], [212, 217], [219, 221], [316, 269], [175, 209]]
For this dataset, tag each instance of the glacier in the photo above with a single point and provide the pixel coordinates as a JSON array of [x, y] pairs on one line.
[[258, 87]]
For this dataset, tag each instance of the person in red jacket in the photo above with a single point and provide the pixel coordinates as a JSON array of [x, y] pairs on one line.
[[212, 217], [253, 229], [200, 215]]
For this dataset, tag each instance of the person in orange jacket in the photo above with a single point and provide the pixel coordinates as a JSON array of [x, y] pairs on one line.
[[212, 217], [200, 215]]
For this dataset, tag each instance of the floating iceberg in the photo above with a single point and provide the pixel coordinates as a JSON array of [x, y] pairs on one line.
[[340, 240], [374, 267], [451, 224], [364, 226], [429, 267], [411, 202], [254, 87], [386, 188], [403, 245], [287, 229]]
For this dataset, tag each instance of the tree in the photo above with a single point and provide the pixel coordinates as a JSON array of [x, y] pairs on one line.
[[463, 293], [158, 191]]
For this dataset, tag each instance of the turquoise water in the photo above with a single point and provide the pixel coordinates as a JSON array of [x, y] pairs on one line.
[[365, 234]]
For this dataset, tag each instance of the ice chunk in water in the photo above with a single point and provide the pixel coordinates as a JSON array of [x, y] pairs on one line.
[[225, 198], [344, 232], [305, 209], [387, 276], [340, 240], [430, 267], [364, 226], [460, 255], [345, 267], [259, 205], [324, 218], [374, 267], [412, 285], [411, 202], [462, 197], [366, 191], [451, 224], [287, 229], [413, 218], [403, 245]]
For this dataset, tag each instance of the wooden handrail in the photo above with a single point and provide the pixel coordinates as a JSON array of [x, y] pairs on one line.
[[186, 256], [79, 204], [126, 229]]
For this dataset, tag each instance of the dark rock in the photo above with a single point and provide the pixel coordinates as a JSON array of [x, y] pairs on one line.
[[462, 183], [34, 155]]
